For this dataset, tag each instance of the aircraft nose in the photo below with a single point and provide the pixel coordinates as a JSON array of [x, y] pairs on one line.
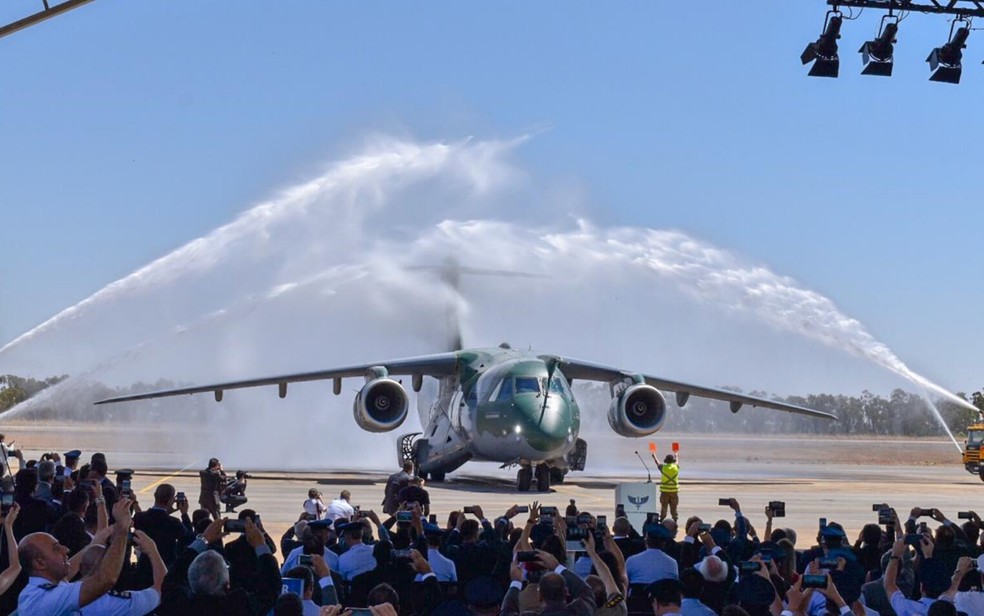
[[550, 431]]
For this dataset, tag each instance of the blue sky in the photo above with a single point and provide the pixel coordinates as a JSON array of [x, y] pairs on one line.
[[129, 128]]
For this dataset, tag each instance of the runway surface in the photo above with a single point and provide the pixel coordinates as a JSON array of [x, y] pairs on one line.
[[834, 478]]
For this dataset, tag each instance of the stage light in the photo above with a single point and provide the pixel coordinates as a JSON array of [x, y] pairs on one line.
[[944, 61], [878, 54], [823, 53]]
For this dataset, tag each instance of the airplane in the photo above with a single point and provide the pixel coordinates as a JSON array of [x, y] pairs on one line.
[[496, 404]]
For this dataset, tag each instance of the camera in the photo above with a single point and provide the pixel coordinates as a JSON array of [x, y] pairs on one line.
[[778, 509], [526, 556], [814, 581], [749, 566]]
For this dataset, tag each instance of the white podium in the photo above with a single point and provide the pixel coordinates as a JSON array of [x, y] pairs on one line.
[[638, 499]]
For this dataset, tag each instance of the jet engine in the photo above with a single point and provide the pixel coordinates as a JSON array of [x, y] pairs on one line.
[[381, 405], [640, 410]]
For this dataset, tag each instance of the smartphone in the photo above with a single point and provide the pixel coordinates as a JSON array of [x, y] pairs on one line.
[[704, 528], [814, 581], [823, 523], [778, 509], [766, 556], [304, 560], [724, 502], [125, 488], [432, 519], [404, 554], [180, 497], [404, 516], [234, 526], [749, 566], [913, 539], [469, 509], [6, 502], [523, 509], [359, 611], [583, 519], [926, 512], [526, 557], [601, 521], [885, 516], [923, 528], [548, 511], [546, 519], [964, 515], [879, 506]]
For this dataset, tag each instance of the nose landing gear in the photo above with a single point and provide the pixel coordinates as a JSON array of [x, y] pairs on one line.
[[525, 476]]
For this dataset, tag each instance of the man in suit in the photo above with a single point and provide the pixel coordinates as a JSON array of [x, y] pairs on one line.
[[554, 588], [213, 480], [167, 531], [396, 482]]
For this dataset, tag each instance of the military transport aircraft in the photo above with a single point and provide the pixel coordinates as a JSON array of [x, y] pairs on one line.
[[496, 404]]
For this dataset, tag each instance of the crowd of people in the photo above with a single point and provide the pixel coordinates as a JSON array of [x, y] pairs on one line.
[[76, 542]]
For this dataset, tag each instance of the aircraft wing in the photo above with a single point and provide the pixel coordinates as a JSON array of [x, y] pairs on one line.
[[441, 364], [575, 369]]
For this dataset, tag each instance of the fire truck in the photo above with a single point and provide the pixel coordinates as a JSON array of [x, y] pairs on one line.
[[972, 449]]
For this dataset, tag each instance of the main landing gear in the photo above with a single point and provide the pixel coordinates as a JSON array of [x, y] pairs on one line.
[[542, 473]]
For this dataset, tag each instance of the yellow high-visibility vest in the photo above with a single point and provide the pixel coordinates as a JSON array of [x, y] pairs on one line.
[[670, 481]]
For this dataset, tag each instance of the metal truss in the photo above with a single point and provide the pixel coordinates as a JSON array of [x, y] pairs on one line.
[[960, 8]]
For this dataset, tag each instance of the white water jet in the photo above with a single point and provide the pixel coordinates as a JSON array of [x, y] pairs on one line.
[[317, 277]]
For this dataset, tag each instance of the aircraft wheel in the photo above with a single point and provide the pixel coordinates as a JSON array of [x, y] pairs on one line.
[[524, 478], [543, 478], [557, 476], [437, 476]]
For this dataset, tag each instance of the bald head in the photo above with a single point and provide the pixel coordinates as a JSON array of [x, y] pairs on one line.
[[42, 556], [552, 588]]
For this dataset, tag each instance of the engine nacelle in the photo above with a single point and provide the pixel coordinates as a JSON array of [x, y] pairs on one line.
[[381, 405], [639, 411]]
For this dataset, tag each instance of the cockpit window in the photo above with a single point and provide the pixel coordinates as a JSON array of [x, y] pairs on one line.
[[557, 386], [527, 385], [505, 392], [975, 437]]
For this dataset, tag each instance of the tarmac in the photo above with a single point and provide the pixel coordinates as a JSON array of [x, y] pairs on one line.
[[838, 479]]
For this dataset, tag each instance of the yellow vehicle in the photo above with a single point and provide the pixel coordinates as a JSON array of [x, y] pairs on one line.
[[972, 449]]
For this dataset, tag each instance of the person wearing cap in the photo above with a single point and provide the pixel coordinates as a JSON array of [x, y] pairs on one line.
[[652, 564], [357, 557], [316, 533], [71, 461], [665, 597], [669, 486]]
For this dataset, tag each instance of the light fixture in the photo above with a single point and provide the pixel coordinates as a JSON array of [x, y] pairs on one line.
[[878, 54], [944, 61], [823, 52]]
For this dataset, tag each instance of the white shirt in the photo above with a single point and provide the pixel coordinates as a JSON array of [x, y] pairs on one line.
[[908, 607], [971, 602], [294, 558], [442, 566], [355, 560], [339, 508], [315, 507]]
